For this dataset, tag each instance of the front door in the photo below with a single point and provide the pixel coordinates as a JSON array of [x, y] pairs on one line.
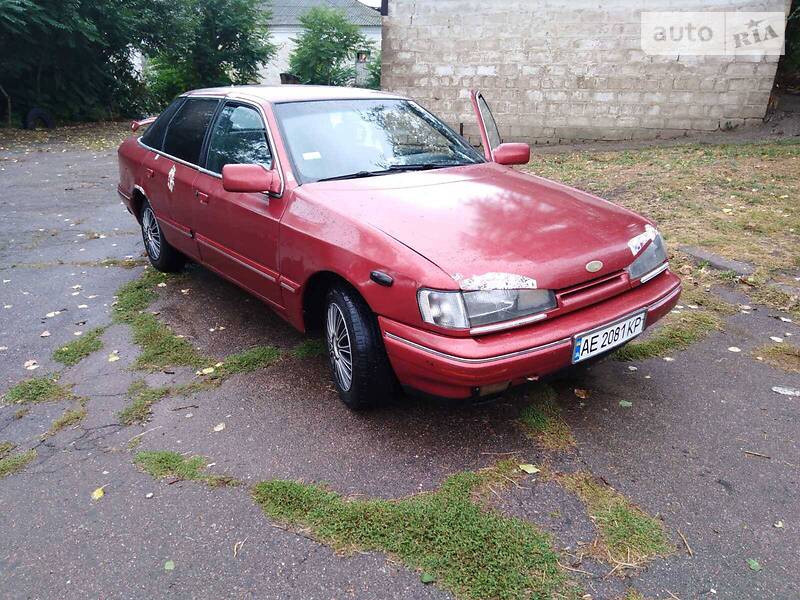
[[237, 233], [490, 134]]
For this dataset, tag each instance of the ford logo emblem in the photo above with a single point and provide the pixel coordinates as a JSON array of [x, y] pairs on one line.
[[594, 266]]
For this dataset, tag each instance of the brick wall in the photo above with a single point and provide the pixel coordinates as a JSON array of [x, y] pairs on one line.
[[568, 69]]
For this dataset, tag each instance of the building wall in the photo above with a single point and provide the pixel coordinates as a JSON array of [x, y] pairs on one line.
[[557, 70], [282, 36]]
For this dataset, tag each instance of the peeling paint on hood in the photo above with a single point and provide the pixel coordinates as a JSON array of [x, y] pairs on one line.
[[496, 281], [637, 243]]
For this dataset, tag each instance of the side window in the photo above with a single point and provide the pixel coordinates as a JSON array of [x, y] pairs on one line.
[[238, 137], [187, 130], [492, 131], [154, 136]]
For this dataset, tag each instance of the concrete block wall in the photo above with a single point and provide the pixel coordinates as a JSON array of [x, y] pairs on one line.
[[564, 70]]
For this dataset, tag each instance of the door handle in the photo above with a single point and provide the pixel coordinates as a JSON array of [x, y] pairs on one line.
[[150, 173], [203, 197]]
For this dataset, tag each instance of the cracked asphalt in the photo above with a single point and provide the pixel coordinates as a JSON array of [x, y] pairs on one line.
[[678, 451]]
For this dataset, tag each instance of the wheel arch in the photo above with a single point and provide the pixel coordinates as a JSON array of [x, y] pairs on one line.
[[314, 291]]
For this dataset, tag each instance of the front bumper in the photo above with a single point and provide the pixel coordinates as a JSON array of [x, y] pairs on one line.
[[454, 367]]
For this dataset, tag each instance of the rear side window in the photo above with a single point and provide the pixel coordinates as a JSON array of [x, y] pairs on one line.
[[187, 129], [154, 136], [238, 137]]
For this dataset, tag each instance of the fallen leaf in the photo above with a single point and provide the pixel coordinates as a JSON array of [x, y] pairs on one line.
[[753, 564], [785, 319], [77, 333], [668, 359], [427, 578], [207, 371], [786, 391], [625, 403], [31, 365], [162, 284], [114, 356], [219, 426], [632, 368], [778, 524], [98, 493], [581, 393], [148, 495], [734, 349], [529, 469], [776, 339], [169, 565], [44, 334]]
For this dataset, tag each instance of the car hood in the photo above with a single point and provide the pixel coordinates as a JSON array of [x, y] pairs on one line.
[[489, 226]]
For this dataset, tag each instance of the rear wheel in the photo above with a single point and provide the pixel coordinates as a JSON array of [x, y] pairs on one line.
[[359, 365], [162, 256]]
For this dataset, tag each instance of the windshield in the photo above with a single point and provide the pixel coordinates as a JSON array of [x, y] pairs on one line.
[[343, 139]]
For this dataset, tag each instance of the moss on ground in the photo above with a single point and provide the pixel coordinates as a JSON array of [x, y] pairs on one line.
[[14, 463], [160, 346], [310, 348], [37, 390], [675, 333], [75, 351], [783, 356], [162, 463], [68, 419], [247, 361], [542, 420], [6, 447], [627, 534], [142, 397], [448, 535]]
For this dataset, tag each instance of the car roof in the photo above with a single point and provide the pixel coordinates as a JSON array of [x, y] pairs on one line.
[[292, 93]]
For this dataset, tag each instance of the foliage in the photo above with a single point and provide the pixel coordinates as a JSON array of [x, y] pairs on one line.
[[789, 64], [326, 48], [15, 462], [223, 42], [676, 333], [374, 73], [75, 57], [36, 390], [75, 351]]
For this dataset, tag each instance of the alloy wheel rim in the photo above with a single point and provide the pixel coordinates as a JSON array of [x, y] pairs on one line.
[[152, 235], [339, 347]]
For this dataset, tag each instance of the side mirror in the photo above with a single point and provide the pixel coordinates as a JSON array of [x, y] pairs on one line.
[[250, 179], [512, 154]]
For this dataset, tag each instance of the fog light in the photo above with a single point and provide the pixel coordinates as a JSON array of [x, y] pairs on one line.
[[494, 388]]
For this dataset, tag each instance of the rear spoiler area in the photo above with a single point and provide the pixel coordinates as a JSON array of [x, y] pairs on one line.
[[136, 125]]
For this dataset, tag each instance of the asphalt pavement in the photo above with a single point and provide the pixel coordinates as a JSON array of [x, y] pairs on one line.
[[706, 445]]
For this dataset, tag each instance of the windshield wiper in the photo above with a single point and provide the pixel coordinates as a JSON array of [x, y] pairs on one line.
[[392, 169]]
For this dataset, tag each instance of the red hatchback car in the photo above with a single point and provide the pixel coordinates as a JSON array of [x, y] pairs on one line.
[[423, 260]]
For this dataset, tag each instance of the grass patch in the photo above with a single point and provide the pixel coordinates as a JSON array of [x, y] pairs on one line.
[[142, 400], [310, 348], [627, 533], [74, 352], [160, 346], [783, 356], [677, 332], [449, 535], [247, 361], [68, 419], [162, 463], [542, 420], [36, 390], [6, 447], [14, 463]]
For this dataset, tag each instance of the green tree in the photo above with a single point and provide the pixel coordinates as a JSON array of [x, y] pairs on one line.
[[75, 57], [326, 49], [222, 42], [374, 73]]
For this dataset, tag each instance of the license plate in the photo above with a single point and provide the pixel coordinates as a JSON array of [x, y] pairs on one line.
[[592, 343]]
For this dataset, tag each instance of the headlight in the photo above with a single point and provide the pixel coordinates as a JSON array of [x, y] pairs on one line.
[[480, 309], [653, 258]]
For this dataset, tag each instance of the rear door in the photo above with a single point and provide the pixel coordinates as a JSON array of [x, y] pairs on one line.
[[174, 171], [490, 134], [237, 233]]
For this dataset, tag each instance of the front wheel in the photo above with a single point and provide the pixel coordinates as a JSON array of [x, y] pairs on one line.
[[162, 255], [358, 361]]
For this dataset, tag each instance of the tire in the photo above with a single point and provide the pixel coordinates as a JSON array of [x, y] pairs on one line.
[[371, 380], [162, 256], [36, 116]]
